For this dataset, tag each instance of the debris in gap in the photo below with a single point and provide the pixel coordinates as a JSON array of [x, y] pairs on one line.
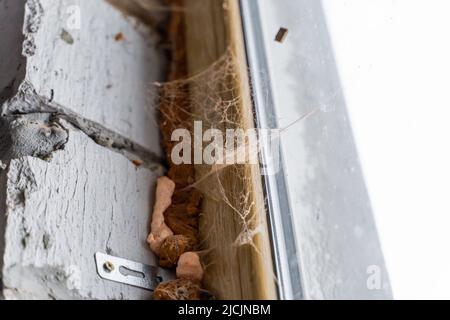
[[233, 216], [182, 214], [281, 35]]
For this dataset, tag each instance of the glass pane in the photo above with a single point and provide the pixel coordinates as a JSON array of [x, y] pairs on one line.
[[358, 88]]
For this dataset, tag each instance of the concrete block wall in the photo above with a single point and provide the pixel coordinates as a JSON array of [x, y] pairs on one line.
[[74, 116]]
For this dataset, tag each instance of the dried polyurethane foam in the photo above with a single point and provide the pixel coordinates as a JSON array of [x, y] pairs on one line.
[[163, 199], [190, 267]]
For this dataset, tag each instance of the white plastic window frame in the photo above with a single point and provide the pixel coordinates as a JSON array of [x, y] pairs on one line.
[[324, 237]]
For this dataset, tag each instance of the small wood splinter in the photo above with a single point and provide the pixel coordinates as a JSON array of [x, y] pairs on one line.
[[281, 35]]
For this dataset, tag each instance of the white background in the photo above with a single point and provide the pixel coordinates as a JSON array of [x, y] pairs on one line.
[[393, 58]]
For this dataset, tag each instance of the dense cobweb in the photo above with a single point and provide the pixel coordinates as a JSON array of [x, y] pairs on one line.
[[214, 98]]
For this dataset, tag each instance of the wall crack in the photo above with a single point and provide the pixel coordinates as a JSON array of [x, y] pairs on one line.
[[30, 125]]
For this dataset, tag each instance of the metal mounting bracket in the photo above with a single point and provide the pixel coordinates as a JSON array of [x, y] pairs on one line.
[[130, 272]]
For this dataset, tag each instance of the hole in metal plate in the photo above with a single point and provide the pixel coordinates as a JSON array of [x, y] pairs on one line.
[[131, 273]]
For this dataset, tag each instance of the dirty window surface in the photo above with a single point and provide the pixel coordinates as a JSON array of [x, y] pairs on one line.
[[366, 170]]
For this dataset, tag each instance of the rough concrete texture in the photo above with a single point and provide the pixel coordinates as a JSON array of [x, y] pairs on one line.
[[60, 212], [87, 69], [30, 135], [27, 101], [70, 123]]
